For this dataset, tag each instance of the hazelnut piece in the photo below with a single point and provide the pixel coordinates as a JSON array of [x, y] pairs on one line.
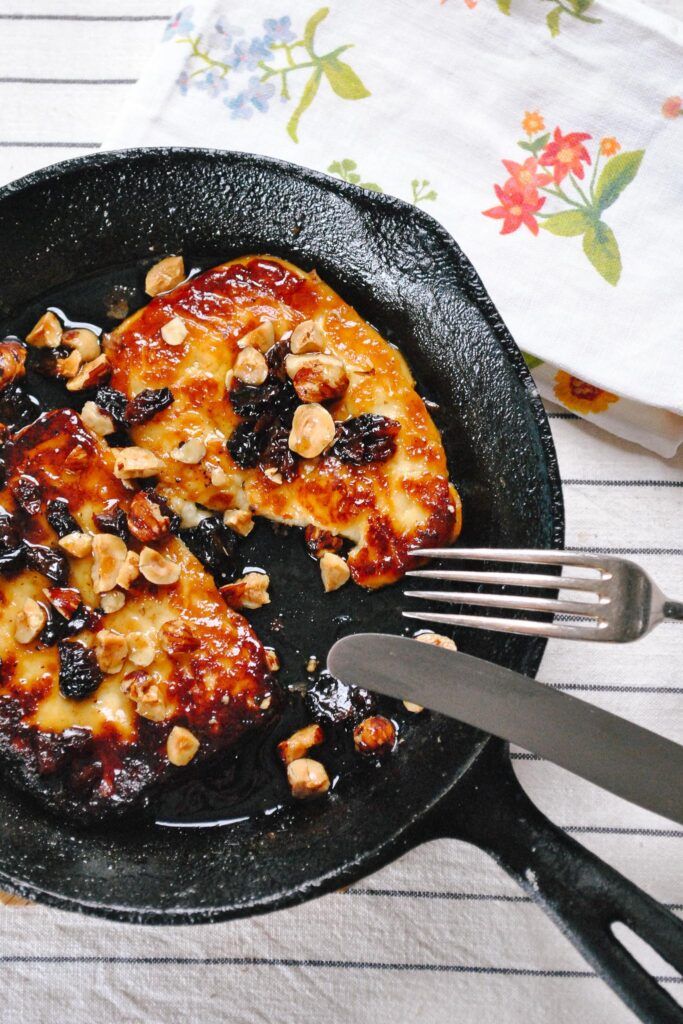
[[69, 366], [148, 694], [47, 333], [251, 591], [240, 520], [178, 638], [261, 338], [306, 337], [146, 521], [272, 660], [83, 341], [174, 331], [191, 452], [250, 366], [312, 430], [181, 746], [132, 463], [317, 377], [77, 544], [307, 778], [129, 571], [164, 275], [141, 648], [111, 650], [437, 640], [109, 555], [112, 601], [90, 375], [158, 569], [30, 621], [299, 743], [375, 735], [65, 599], [97, 420], [409, 705], [334, 570]]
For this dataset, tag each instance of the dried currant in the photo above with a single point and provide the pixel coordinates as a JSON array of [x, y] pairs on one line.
[[17, 407], [79, 673], [275, 396], [112, 402], [51, 562], [146, 405], [114, 521], [247, 444], [214, 545], [58, 627], [59, 517], [27, 494], [277, 453], [330, 700], [365, 439], [12, 552]]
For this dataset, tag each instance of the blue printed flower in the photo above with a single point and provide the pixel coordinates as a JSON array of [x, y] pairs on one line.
[[278, 30], [180, 24], [223, 35], [183, 82], [213, 82], [246, 55], [255, 97]]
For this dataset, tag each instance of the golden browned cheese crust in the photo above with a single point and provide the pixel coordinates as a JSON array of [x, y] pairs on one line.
[[384, 508], [97, 753]]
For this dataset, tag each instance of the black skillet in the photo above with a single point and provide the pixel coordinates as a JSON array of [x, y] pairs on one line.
[[79, 236]]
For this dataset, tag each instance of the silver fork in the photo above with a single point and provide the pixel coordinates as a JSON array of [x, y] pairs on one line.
[[623, 602]]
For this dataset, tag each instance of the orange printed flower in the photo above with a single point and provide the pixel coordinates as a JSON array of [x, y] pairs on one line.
[[566, 154], [532, 122], [671, 107], [517, 207], [580, 396], [526, 175], [609, 146]]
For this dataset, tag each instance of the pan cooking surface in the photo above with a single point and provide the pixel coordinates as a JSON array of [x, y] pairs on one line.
[[407, 278]]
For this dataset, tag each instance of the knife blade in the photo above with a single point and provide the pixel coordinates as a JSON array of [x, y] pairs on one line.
[[620, 756]]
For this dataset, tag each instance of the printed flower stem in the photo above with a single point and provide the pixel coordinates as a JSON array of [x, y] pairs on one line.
[[204, 56]]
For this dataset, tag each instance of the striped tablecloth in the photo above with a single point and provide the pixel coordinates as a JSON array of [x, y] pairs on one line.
[[442, 933]]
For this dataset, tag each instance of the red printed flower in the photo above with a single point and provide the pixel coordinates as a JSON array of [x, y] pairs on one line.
[[565, 153], [517, 207], [526, 175]]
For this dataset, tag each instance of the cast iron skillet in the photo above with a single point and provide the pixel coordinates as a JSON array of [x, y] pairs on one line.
[[68, 234]]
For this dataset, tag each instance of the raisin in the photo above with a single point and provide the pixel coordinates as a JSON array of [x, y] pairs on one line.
[[147, 404], [166, 510], [59, 517], [58, 627], [214, 545], [51, 562], [246, 445], [17, 407], [329, 700], [114, 522], [112, 402], [364, 439], [12, 553], [79, 673], [27, 493], [277, 453], [276, 396]]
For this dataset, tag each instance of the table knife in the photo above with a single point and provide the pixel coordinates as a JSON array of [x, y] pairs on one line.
[[618, 755]]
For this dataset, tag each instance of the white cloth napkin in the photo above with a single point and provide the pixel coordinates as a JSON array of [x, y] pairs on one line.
[[533, 125]]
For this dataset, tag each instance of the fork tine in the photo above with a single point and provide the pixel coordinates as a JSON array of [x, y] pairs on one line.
[[559, 631], [589, 609], [512, 579], [529, 555]]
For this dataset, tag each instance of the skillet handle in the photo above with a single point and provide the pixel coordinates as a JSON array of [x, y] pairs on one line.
[[583, 895]]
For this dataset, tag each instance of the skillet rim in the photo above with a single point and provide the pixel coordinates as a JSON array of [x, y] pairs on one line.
[[402, 836]]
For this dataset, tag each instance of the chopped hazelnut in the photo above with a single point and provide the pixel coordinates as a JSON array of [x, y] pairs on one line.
[[273, 474], [158, 569], [191, 452], [129, 571], [97, 420], [109, 555], [112, 601], [90, 375], [12, 362], [141, 648], [312, 664], [83, 341], [306, 337], [299, 743], [146, 521], [317, 377], [307, 778], [240, 520], [47, 333], [312, 430], [334, 571], [437, 640], [132, 463], [375, 735], [65, 599], [318, 541], [69, 366], [261, 338], [410, 706], [251, 591], [149, 695], [219, 478], [178, 638], [272, 660], [164, 275], [181, 746], [77, 544], [111, 650], [190, 514], [174, 331], [77, 459], [250, 366], [30, 621]]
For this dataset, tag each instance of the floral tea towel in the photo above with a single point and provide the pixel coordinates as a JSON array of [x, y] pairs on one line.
[[544, 134]]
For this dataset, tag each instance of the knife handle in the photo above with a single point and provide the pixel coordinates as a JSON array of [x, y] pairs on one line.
[[581, 893]]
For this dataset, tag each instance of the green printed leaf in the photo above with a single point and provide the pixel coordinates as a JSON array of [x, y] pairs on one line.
[[532, 361], [504, 6], [600, 246], [371, 186], [574, 222], [616, 175], [307, 97], [344, 79], [349, 165], [536, 145], [312, 27], [353, 178], [336, 168], [553, 21]]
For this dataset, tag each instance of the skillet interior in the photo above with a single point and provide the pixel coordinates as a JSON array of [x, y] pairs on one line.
[[69, 234]]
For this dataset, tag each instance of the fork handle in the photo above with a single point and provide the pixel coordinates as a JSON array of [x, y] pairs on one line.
[[673, 610]]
